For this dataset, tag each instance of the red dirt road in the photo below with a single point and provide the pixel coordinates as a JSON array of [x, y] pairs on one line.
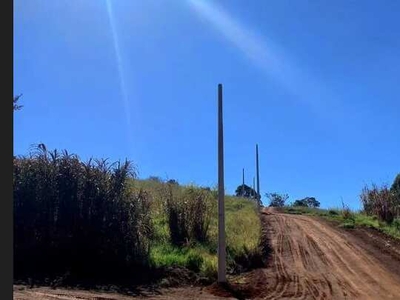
[[310, 259]]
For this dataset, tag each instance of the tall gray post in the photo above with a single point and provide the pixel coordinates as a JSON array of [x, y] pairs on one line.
[[258, 177], [254, 187], [221, 194], [242, 182]]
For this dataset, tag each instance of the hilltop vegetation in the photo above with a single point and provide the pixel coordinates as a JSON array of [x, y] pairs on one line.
[[185, 228], [95, 220], [380, 210]]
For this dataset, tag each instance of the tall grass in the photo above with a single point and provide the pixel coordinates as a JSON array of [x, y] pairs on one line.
[[95, 220], [77, 217], [188, 211], [195, 247], [381, 202]]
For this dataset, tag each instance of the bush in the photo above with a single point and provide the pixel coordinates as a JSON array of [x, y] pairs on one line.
[[348, 225], [396, 223], [209, 268], [76, 217], [194, 261], [333, 212], [396, 185], [300, 203], [277, 200], [381, 202], [347, 214], [307, 202], [189, 214]]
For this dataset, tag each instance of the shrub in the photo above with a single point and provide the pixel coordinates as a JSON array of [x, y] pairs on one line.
[[347, 214], [209, 268], [194, 261], [307, 202], [300, 203], [333, 212], [348, 225], [381, 202], [177, 218], [189, 214], [396, 185], [396, 223], [277, 200]]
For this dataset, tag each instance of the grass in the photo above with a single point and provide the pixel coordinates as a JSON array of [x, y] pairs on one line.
[[78, 218], [350, 219], [169, 255], [243, 232], [96, 220]]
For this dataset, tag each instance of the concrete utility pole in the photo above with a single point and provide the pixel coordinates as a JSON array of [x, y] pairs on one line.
[[221, 194], [243, 182], [254, 187], [258, 177]]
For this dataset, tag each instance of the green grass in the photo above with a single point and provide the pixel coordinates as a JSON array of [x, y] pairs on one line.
[[243, 231], [300, 210], [243, 226], [354, 219], [168, 255]]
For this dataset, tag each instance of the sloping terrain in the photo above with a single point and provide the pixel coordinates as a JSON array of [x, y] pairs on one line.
[[313, 260], [309, 259]]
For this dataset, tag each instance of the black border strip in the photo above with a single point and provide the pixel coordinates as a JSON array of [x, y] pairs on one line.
[[6, 111]]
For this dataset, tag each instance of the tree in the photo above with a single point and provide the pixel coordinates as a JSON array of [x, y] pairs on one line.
[[277, 200], [307, 202], [300, 203], [173, 182], [312, 202], [396, 184], [16, 106], [245, 191], [395, 188]]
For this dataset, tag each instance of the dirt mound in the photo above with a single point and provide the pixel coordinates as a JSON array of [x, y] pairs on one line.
[[247, 286], [173, 277]]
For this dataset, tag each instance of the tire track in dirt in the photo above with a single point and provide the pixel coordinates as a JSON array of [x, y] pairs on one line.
[[311, 260]]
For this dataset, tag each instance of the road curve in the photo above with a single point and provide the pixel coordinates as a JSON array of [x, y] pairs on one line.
[[311, 260]]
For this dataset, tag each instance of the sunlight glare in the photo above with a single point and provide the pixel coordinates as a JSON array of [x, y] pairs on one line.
[[264, 53], [119, 63]]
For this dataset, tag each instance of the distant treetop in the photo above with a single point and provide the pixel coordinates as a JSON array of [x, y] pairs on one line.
[[307, 202]]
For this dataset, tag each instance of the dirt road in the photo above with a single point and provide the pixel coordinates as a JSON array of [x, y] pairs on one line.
[[310, 259]]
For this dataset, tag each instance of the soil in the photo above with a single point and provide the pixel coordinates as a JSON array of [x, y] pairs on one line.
[[307, 258]]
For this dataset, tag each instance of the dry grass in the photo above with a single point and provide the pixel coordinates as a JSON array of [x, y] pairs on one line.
[[381, 202]]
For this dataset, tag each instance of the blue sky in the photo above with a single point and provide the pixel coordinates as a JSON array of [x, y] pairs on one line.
[[314, 83]]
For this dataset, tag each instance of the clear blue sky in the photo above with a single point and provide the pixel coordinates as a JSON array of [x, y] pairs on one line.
[[314, 83]]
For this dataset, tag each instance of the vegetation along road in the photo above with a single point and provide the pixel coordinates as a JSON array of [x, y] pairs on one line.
[[310, 258]]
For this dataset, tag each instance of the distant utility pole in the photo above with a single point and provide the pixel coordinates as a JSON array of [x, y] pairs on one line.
[[243, 182], [221, 194], [254, 188], [258, 177]]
